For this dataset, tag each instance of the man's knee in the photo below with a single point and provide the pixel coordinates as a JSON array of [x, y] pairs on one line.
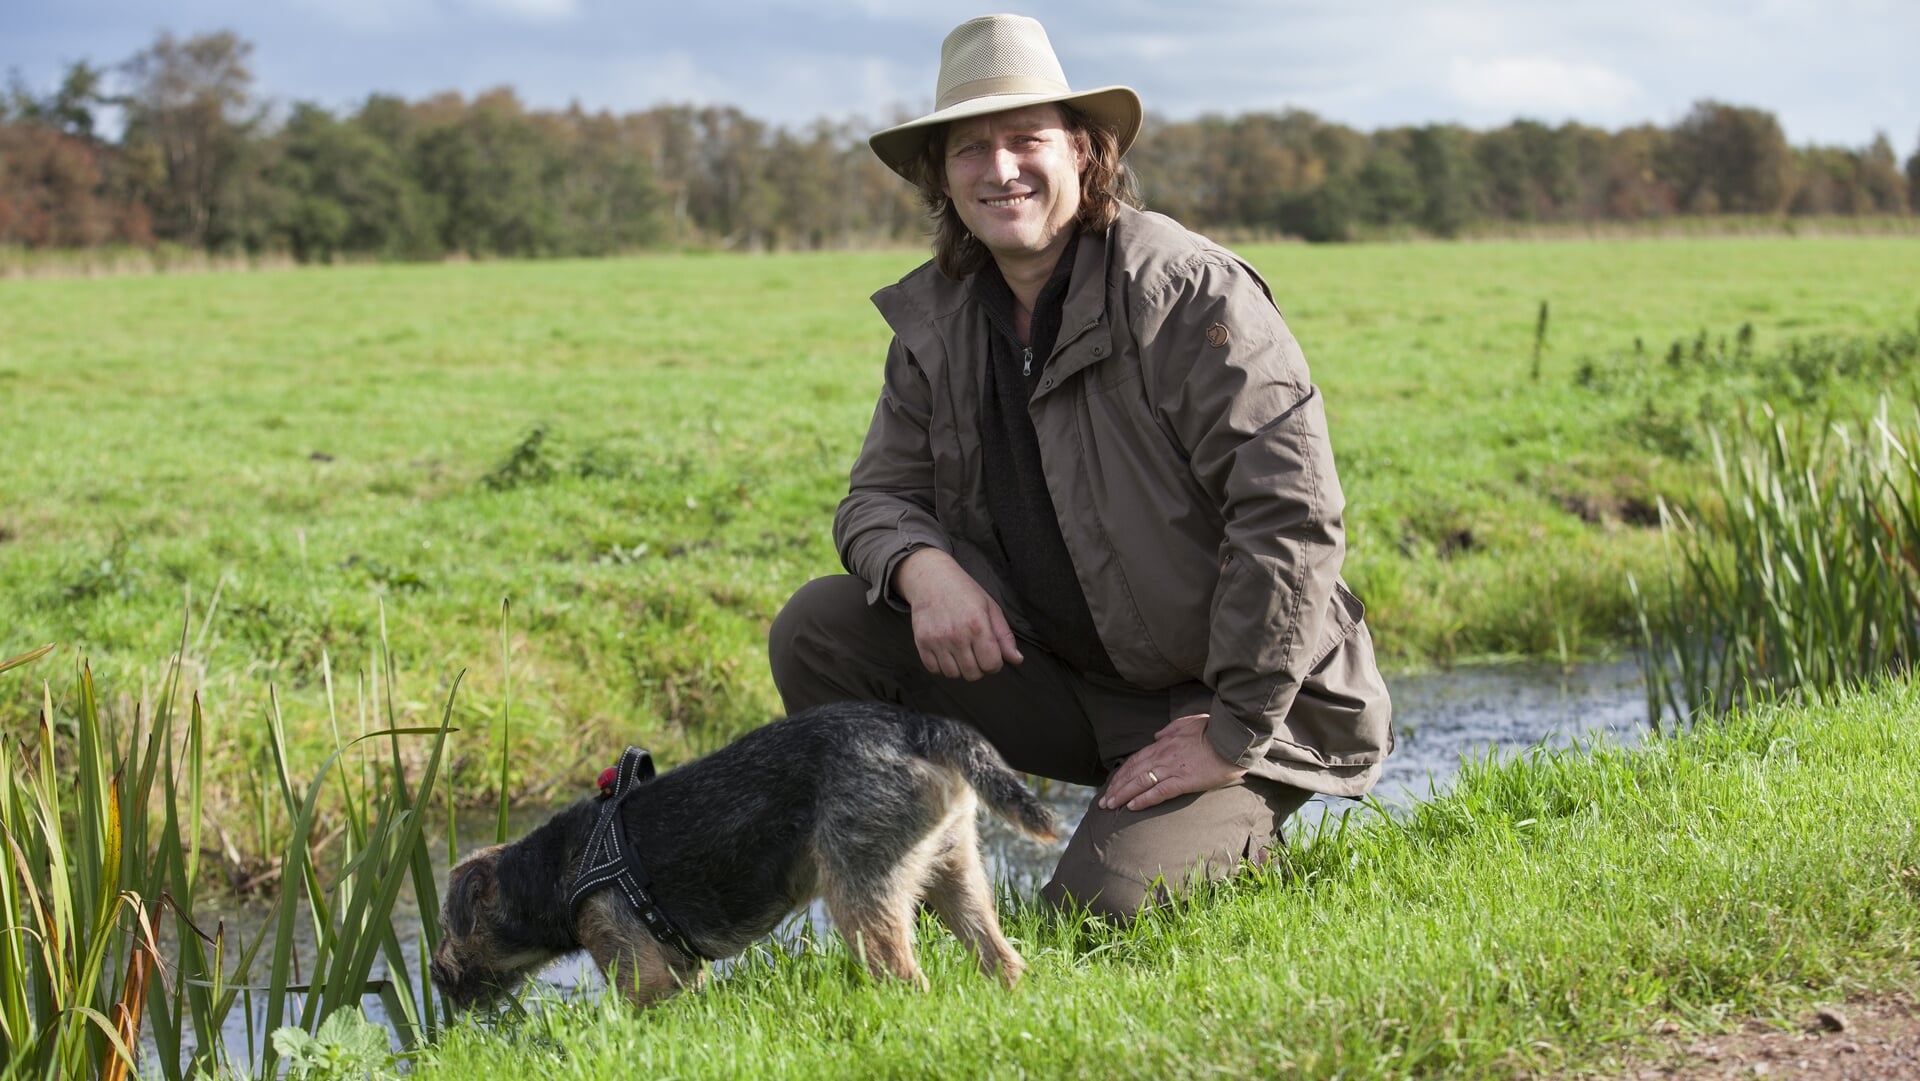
[[829, 645], [1121, 861], [811, 615]]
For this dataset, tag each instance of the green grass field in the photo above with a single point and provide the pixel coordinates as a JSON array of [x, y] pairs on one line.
[[642, 457]]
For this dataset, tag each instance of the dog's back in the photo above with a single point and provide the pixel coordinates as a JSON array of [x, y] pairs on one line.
[[736, 837]]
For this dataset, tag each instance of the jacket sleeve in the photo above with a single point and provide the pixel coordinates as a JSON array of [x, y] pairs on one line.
[[889, 511], [1233, 389]]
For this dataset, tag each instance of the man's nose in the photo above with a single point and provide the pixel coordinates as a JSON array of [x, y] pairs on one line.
[[1005, 165]]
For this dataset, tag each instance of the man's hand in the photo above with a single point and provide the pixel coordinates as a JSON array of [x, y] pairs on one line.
[[1178, 761], [959, 630]]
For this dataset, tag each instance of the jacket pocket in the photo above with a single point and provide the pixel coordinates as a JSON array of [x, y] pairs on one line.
[[1346, 612]]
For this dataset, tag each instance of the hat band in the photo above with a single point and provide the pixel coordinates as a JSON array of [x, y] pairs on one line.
[[1004, 84]]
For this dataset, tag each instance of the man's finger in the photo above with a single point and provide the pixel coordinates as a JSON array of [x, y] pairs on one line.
[[986, 657], [1003, 635], [967, 658], [1158, 790], [1127, 784]]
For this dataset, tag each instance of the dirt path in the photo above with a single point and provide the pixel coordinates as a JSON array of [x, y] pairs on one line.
[[1868, 1040]]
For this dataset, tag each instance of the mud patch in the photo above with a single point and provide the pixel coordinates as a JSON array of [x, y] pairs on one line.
[[1871, 1039]]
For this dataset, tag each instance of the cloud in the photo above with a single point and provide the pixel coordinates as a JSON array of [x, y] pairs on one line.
[[529, 10], [1535, 85]]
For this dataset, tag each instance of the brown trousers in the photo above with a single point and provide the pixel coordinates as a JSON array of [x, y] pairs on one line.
[[829, 645]]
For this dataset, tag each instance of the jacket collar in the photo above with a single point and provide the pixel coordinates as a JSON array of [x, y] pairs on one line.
[[919, 307]]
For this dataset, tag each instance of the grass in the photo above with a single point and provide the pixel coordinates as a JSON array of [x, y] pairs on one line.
[[1544, 917], [643, 455]]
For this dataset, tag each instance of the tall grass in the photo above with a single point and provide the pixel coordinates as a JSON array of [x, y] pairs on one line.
[[1801, 574], [102, 827]]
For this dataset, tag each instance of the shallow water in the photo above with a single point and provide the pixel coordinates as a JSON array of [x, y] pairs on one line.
[[1440, 720]]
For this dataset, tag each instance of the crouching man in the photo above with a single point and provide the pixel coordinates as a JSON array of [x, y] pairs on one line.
[[1096, 514]]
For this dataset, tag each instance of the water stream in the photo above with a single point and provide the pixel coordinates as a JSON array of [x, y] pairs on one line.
[[1440, 720]]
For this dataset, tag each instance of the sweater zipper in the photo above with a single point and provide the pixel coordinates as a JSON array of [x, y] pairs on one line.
[[1026, 361]]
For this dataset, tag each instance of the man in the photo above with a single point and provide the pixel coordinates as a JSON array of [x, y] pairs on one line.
[[1096, 513]]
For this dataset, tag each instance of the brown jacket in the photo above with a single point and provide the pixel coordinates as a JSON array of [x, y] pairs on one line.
[[1187, 456]]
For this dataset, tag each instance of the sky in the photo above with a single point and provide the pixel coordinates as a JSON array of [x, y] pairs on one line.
[[1835, 72]]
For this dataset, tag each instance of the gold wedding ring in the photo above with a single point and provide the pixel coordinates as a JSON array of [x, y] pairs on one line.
[[1152, 777]]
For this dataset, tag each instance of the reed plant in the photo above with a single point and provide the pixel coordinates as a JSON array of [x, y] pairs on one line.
[[1799, 574], [102, 946]]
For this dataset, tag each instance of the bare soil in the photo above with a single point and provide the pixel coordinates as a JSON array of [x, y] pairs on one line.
[[1865, 1040]]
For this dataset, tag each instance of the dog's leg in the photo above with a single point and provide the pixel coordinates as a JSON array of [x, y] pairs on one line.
[[875, 914], [960, 894], [633, 962]]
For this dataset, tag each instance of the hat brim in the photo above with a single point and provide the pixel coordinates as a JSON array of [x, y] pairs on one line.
[[1117, 107]]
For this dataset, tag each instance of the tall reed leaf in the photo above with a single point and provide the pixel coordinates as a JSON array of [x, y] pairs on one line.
[[100, 829], [1800, 576]]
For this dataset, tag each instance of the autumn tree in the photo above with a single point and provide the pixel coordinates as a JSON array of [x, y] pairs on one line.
[[60, 185], [189, 109]]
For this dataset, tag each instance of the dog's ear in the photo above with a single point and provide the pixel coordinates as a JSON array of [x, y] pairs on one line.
[[471, 887]]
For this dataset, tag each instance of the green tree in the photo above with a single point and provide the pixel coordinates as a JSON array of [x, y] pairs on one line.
[[1387, 189], [1913, 178], [1443, 162], [489, 168], [1528, 171], [346, 190], [1880, 178], [1732, 159], [69, 109]]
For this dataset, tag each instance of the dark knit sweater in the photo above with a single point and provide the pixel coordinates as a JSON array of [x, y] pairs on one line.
[[1039, 568]]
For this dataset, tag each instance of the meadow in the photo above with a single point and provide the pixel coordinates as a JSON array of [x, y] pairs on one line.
[[612, 473], [555, 506]]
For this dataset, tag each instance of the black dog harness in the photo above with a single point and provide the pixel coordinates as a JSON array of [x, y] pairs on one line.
[[609, 858]]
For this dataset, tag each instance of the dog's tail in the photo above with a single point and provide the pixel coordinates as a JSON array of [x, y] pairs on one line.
[[949, 743]]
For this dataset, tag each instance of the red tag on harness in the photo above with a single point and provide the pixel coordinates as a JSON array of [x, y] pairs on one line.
[[607, 777]]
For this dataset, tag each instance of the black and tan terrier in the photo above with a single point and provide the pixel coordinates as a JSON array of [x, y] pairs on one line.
[[870, 806]]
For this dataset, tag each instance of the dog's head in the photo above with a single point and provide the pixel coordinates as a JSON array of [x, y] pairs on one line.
[[484, 951]]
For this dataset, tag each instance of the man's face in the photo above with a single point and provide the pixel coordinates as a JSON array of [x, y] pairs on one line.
[[1014, 179]]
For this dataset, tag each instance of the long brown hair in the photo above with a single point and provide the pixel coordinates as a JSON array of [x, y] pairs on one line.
[[1105, 185]]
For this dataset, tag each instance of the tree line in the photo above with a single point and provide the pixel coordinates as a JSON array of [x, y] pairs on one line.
[[202, 161]]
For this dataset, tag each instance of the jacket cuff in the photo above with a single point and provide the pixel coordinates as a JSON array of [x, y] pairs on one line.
[[882, 591], [1234, 741]]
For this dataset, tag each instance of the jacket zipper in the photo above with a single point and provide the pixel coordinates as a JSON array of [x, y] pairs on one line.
[[1026, 361]]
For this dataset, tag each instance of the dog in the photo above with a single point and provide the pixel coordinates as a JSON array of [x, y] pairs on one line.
[[870, 806]]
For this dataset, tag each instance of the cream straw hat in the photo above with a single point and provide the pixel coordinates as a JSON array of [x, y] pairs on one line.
[[1000, 62]]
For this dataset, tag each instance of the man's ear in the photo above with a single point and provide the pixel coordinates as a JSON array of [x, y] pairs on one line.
[[472, 886]]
